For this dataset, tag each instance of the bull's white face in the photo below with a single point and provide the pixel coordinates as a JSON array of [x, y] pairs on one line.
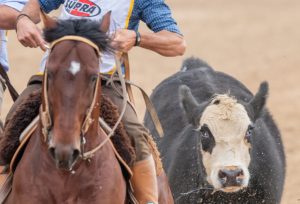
[[225, 130]]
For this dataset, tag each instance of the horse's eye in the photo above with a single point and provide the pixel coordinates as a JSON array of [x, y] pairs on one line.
[[249, 133], [94, 78], [50, 75]]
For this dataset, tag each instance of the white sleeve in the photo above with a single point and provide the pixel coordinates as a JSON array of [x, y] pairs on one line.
[[3, 50], [15, 4]]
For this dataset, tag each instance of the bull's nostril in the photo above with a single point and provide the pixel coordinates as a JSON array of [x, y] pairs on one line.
[[222, 177], [52, 152], [240, 172], [222, 174]]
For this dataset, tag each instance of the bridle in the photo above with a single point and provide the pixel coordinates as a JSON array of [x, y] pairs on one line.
[[46, 116], [46, 119]]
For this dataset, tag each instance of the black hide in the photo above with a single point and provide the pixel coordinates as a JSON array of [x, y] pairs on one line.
[[180, 149]]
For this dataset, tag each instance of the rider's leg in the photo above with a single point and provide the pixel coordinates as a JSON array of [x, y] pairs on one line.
[[144, 178]]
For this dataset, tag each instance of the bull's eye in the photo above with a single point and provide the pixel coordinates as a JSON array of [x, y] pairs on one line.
[[207, 139], [205, 134], [249, 133]]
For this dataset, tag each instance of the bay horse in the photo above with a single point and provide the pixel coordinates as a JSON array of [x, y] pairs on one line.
[[53, 168]]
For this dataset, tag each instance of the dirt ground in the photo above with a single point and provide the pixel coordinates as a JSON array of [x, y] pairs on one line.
[[252, 40]]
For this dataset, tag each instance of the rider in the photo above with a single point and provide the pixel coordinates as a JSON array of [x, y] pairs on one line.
[[165, 39]]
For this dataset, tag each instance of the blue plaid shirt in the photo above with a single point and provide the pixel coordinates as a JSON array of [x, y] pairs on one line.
[[155, 13]]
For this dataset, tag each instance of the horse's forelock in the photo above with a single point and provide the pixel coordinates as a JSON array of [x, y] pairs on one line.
[[80, 27]]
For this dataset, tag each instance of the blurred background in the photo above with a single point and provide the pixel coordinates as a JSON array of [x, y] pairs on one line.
[[252, 40]]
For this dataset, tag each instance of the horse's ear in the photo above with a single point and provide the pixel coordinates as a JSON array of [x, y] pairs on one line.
[[258, 102], [49, 22], [105, 23], [191, 107]]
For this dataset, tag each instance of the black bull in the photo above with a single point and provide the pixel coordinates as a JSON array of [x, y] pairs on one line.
[[180, 149]]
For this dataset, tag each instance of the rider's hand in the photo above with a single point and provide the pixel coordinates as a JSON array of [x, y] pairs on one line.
[[123, 40], [29, 34]]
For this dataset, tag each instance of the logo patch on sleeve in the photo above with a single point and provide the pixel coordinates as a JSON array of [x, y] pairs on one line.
[[83, 8]]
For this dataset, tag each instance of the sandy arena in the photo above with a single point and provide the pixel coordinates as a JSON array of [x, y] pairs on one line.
[[252, 40]]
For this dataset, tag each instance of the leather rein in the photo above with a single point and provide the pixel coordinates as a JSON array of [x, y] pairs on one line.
[[46, 119]]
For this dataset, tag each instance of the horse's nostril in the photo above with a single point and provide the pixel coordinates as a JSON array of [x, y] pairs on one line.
[[75, 155], [52, 152], [64, 156]]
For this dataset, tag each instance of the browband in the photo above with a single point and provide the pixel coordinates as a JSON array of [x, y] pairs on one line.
[[76, 38]]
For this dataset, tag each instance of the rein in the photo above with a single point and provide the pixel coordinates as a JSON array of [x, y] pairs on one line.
[[5, 80], [90, 153]]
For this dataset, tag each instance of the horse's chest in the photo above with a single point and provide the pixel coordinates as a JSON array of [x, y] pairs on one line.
[[77, 192]]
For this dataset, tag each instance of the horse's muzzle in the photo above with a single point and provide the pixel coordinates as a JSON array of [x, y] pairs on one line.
[[64, 156]]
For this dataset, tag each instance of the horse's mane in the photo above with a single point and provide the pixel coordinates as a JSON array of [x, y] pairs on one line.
[[80, 27]]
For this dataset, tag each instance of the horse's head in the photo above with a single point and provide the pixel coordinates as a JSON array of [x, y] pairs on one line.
[[226, 127], [71, 85]]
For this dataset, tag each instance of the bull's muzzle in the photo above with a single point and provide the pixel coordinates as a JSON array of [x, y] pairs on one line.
[[231, 177]]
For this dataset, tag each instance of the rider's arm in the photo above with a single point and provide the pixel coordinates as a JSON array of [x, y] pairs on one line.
[[8, 17], [9, 10], [28, 33], [166, 38], [164, 42]]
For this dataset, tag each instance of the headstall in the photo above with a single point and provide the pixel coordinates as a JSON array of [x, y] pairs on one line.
[[46, 119]]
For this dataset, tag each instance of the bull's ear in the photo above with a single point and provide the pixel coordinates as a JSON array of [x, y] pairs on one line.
[[105, 23], [258, 102], [49, 23], [190, 106]]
